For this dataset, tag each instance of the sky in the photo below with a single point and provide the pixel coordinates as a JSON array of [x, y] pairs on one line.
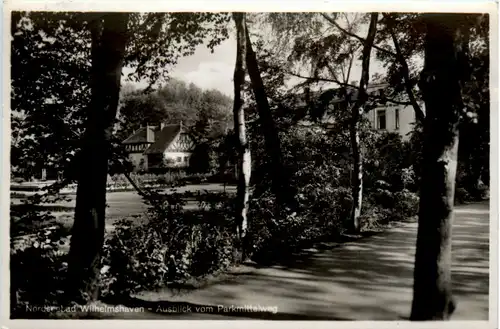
[[205, 69], [215, 70]]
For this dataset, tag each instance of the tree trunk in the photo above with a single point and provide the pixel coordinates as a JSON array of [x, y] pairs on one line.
[[279, 176], [356, 178], [109, 37], [356, 111], [440, 84], [244, 158]]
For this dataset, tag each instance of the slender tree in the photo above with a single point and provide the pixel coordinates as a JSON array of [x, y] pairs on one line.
[[243, 147], [356, 112], [395, 58], [109, 38], [280, 179], [445, 69]]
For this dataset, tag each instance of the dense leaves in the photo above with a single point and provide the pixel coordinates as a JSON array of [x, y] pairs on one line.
[[167, 245], [51, 65], [204, 113]]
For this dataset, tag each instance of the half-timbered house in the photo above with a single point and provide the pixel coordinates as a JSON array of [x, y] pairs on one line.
[[164, 146]]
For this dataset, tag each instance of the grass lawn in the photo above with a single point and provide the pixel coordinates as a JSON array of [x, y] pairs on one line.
[[120, 205]]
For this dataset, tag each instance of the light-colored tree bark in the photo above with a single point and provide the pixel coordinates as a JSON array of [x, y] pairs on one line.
[[356, 112], [280, 179], [244, 155]]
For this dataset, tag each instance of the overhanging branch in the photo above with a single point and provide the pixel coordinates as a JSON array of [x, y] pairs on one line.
[[355, 36], [340, 83], [419, 114]]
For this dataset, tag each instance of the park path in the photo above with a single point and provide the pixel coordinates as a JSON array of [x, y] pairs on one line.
[[368, 279]]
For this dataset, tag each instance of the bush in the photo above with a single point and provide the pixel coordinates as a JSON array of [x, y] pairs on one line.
[[461, 195], [166, 245], [322, 182], [383, 206], [170, 246], [374, 217], [38, 268], [407, 203], [322, 215]]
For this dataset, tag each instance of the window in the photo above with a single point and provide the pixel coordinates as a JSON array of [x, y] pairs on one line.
[[185, 159], [381, 119], [179, 159], [396, 118]]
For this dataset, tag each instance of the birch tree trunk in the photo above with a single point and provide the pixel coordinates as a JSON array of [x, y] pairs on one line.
[[244, 157], [279, 176], [109, 37], [440, 83], [356, 112]]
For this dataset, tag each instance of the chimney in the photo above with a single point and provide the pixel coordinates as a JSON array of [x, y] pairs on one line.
[[150, 137]]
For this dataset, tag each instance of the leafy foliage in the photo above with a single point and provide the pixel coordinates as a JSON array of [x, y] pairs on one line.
[[205, 113], [49, 116], [38, 268], [168, 246]]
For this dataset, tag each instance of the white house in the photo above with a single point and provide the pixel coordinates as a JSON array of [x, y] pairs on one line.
[[154, 147], [392, 117]]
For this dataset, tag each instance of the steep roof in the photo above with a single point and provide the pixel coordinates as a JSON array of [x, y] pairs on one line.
[[164, 138], [141, 135]]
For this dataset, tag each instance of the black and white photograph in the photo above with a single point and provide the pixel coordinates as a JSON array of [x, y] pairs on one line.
[[243, 165]]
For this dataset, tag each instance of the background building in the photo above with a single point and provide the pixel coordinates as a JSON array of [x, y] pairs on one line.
[[156, 147]]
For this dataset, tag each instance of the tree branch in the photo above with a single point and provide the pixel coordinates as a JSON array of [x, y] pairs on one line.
[[332, 72], [355, 36], [342, 84], [316, 79], [351, 61], [153, 198], [135, 186], [419, 114], [365, 65]]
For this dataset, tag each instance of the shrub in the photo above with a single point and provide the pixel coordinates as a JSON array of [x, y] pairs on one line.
[[383, 206], [169, 246], [407, 203], [38, 268], [374, 217], [322, 215], [386, 159], [461, 195]]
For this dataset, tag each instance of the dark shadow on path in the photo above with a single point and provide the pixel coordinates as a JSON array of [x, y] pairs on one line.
[[367, 279]]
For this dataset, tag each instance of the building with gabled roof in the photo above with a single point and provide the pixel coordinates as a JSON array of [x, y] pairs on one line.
[[163, 146]]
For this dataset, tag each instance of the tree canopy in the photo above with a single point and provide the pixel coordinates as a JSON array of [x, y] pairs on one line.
[[55, 46]]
